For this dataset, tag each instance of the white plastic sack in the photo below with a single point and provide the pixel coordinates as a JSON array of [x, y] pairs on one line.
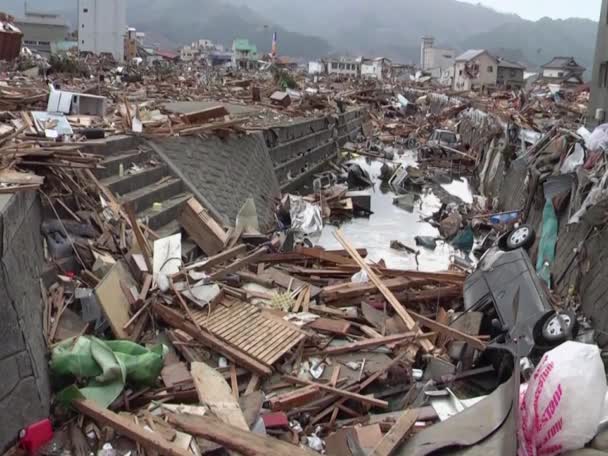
[[598, 141], [563, 405], [360, 277], [574, 160], [305, 217]]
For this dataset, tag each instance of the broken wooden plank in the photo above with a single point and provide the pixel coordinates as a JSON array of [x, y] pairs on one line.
[[297, 398], [396, 435], [351, 290], [144, 247], [340, 327], [214, 392], [339, 392], [426, 344], [369, 343], [113, 301], [216, 260], [202, 228], [239, 264], [448, 331], [129, 429], [176, 320], [233, 438]]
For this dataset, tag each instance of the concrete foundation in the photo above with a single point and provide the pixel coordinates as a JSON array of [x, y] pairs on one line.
[[24, 389]]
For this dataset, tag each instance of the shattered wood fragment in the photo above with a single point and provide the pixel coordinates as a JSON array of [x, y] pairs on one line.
[[205, 115], [238, 264], [214, 392], [297, 398], [202, 228], [339, 392], [128, 428], [427, 346], [340, 327], [397, 435], [370, 343], [449, 332], [236, 439]]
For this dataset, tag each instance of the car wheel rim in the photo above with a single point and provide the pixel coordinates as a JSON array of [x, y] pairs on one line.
[[519, 236], [554, 328]]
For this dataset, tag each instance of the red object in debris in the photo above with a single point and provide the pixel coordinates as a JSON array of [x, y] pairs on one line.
[[36, 436], [275, 420]]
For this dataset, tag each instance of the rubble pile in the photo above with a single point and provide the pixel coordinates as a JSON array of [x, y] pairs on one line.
[[268, 344]]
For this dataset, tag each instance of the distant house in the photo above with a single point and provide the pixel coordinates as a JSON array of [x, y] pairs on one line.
[[42, 31], [563, 70], [244, 55], [510, 74], [378, 68], [475, 70], [344, 66]]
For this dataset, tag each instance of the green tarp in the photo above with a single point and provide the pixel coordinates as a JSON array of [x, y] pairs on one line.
[[548, 241], [106, 366]]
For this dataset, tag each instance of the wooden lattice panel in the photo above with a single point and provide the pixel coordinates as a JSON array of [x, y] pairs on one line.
[[261, 335]]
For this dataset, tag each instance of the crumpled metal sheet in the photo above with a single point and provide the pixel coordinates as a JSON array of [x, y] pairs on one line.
[[305, 217]]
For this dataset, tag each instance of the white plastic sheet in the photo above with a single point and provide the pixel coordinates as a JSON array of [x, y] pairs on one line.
[[305, 217], [563, 404]]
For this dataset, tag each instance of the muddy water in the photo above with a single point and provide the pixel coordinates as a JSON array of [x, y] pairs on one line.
[[390, 222]]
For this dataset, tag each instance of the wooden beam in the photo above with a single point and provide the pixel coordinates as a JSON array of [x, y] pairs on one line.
[[410, 323], [176, 320], [216, 260], [139, 236], [339, 392], [233, 438], [129, 429], [352, 290], [449, 332], [396, 435], [293, 399], [369, 343], [239, 264]]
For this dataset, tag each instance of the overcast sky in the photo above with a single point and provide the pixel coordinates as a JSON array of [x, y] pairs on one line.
[[535, 9]]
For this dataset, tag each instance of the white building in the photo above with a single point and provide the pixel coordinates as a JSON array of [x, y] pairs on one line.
[[102, 25], [377, 68], [316, 68], [437, 62], [187, 54], [344, 66]]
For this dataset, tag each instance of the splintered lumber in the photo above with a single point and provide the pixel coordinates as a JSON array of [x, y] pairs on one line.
[[216, 260], [176, 320], [293, 399], [340, 327], [352, 290], [123, 426], [202, 228], [113, 300], [235, 439], [410, 323], [214, 392], [369, 343], [396, 435], [339, 392], [449, 332], [323, 255], [238, 264]]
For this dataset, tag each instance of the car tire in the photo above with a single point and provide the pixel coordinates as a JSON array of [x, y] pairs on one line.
[[555, 332], [520, 238]]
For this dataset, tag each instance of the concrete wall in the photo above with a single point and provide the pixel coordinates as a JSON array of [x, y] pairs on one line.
[[227, 172], [301, 149], [24, 389], [102, 25], [599, 84]]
